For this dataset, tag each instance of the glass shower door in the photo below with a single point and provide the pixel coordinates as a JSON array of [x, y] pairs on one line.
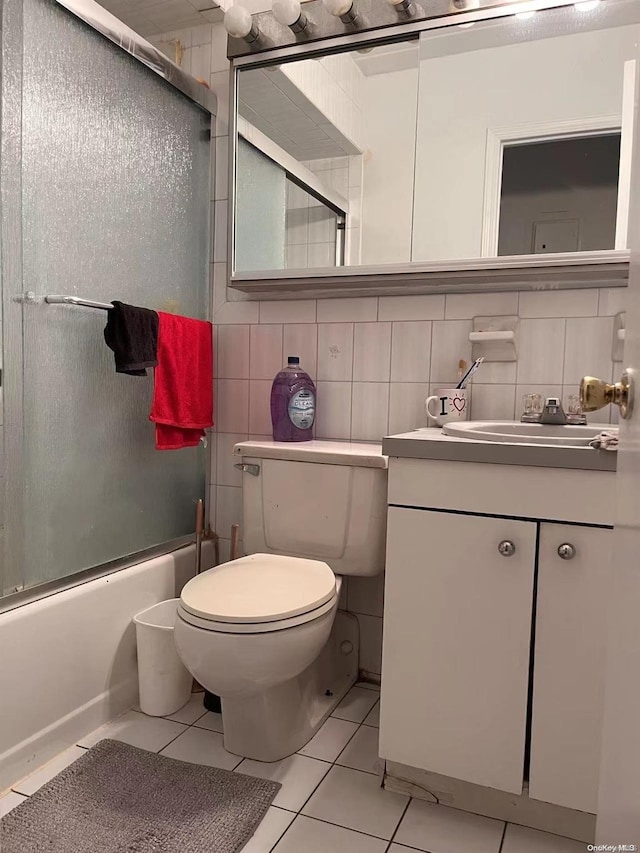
[[114, 175]]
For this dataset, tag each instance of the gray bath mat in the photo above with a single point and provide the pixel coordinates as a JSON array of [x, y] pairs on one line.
[[121, 799]]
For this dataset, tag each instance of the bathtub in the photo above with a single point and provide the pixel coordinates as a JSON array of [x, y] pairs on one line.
[[68, 661]]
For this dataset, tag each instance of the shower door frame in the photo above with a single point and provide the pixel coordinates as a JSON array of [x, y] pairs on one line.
[[16, 292]]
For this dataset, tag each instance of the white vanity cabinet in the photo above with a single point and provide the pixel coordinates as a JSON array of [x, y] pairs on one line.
[[568, 675], [458, 618], [493, 657]]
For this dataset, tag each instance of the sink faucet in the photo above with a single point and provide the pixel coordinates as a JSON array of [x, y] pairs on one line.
[[553, 413]]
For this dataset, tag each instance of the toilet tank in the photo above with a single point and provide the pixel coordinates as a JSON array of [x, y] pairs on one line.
[[326, 500]]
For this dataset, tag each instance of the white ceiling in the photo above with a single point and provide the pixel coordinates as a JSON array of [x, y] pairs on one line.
[[149, 17]]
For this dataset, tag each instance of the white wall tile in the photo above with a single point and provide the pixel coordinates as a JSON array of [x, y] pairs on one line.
[[266, 351], [496, 373], [335, 351], [218, 287], [322, 228], [559, 303], [588, 349], [411, 352], [372, 352], [411, 307], [201, 61], [288, 311], [360, 310], [219, 225], [612, 301], [297, 228], [219, 61], [369, 411], [321, 255], [541, 352], [297, 257], [302, 340], [370, 643], [333, 411], [227, 475], [406, 406], [493, 401], [366, 595], [211, 506], [233, 352], [260, 406], [236, 312], [228, 509], [462, 306], [221, 185], [231, 405], [220, 87], [450, 343]]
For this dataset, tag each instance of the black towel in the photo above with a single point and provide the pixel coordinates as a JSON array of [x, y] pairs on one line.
[[132, 333]]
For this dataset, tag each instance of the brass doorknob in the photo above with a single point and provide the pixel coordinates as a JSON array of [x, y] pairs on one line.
[[595, 394]]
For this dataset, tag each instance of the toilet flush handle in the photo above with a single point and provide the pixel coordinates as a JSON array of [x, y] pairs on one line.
[[249, 468]]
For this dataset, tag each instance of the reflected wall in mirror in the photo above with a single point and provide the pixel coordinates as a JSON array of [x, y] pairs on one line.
[[510, 136]]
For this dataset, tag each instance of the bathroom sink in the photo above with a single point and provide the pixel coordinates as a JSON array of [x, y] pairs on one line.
[[514, 432]]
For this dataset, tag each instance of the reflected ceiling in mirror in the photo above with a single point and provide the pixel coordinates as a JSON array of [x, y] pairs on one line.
[[507, 137]]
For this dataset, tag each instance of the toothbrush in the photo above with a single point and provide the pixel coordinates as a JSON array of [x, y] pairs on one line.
[[468, 375], [462, 366]]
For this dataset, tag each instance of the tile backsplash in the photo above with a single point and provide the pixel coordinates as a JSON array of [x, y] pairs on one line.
[[374, 360]]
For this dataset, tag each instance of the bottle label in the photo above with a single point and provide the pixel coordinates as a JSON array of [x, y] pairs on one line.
[[302, 409]]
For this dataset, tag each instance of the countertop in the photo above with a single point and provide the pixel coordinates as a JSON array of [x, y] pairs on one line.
[[431, 443]]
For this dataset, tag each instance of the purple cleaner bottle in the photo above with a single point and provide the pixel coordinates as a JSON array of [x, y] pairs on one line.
[[293, 403]]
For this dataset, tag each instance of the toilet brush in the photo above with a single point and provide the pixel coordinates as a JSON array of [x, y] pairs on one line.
[[235, 537], [199, 532]]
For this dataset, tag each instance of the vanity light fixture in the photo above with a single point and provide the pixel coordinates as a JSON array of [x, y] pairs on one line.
[[465, 6], [403, 7], [239, 23], [289, 14], [343, 9]]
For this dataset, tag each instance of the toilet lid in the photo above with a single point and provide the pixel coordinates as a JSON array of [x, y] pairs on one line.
[[259, 588]]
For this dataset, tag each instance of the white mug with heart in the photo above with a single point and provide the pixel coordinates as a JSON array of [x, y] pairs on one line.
[[448, 404]]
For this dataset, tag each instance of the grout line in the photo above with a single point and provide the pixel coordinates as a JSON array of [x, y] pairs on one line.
[[395, 831], [504, 832]]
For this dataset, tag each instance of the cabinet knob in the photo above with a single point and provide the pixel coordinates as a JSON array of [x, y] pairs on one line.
[[566, 551], [506, 548]]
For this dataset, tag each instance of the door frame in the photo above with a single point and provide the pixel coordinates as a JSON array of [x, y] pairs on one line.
[[545, 131]]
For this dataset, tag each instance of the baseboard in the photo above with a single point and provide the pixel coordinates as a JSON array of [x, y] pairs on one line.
[[27, 756], [489, 802]]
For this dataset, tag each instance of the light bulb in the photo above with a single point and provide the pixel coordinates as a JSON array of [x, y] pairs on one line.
[[288, 13], [343, 9], [403, 7], [587, 5], [239, 24]]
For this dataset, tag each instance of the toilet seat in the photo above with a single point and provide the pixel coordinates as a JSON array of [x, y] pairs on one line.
[[259, 593]]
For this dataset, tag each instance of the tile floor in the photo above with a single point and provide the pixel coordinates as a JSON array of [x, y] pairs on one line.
[[330, 798]]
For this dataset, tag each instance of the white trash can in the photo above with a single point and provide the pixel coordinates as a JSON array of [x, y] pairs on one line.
[[165, 682]]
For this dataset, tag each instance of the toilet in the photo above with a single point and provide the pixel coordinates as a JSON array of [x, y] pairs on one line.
[[264, 632]]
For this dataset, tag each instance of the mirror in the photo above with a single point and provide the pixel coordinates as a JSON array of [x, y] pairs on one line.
[[509, 136]]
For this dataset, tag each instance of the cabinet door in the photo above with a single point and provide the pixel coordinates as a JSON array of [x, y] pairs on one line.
[[568, 675], [457, 632]]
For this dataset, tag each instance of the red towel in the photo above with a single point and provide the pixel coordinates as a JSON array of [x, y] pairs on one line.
[[183, 390]]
